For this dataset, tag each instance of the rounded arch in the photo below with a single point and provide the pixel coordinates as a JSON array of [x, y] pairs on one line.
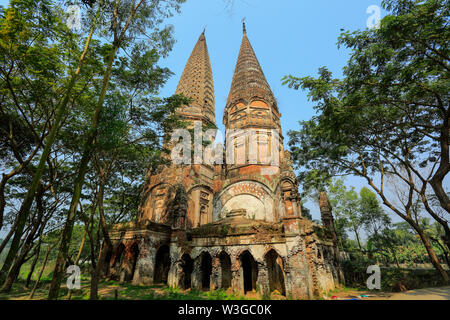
[[248, 270], [259, 103], [162, 264], [205, 270], [134, 256], [225, 270], [119, 254], [275, 269], [155, 206], [200, 205], [187, 266], [251, 195], [199, 186]]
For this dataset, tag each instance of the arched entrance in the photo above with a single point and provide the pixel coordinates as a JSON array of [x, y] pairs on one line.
[[205, 270], [107, 263], [225, 266], [249, 270], [162, 265], [276, 274], [134, 258], [116, 268], [187, 265]]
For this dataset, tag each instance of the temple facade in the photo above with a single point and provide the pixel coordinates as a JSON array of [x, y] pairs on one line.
[[234, 222]]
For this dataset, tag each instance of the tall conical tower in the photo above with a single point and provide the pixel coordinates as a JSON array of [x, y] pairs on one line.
[[196, 82], [251, 105], [192, 182]]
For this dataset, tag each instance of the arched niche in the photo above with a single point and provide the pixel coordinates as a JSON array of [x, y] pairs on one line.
[[155, 208], [162, 265], [275, 270], [250, 195]]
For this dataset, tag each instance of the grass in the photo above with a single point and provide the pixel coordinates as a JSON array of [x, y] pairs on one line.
[[125, 291]]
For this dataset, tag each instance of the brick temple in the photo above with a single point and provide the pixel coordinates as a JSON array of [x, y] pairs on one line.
[[235, 226]]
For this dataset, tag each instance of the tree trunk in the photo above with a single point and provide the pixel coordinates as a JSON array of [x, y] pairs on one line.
[[432, 255], [6, 240], [28, 244], [358, 240], [87, 152], [33, 265], [42, 270], [95, 278], [444, 165], [77, 259], [107, 247], [24, 210]]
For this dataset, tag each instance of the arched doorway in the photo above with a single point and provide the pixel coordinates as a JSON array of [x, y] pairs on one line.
[[162, 264], [187, 265], [205, 270], [225, 266], [116, 268], [249, 270], [134, 253], [107, 263], [276, 274]]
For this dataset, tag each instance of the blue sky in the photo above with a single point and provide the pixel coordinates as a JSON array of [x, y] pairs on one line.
[[289, 37]]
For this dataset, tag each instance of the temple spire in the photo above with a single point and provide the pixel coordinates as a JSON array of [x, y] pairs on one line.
[[248, 80], [196, 82]]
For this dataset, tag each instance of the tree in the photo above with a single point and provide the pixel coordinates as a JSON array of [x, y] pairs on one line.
[[128, 20], [306, 213], [389, 115], [372, 216], [346, 205], [21, 21]]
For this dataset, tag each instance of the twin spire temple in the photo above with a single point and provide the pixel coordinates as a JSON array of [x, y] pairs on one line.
[[196, 81]]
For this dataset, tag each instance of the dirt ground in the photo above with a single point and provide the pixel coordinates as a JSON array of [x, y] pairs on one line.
[[438, 293]]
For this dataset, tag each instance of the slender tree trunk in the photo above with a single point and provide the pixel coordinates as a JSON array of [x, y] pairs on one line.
[[6, 240], [24, 210], [77, 259], [79, 182], [28, 244], [33, 265], [432, 255], [107, 247], [95, 278], [42, 270], [87, 152], [444, 251], [444, 166], [358, 240]]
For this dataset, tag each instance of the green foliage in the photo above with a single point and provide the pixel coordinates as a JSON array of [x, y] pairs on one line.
[[386, 120], [390, 111], [306, 213]]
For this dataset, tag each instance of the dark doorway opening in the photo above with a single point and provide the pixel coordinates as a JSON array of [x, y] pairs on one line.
[[206, 270], [118, 261], [187, 265], [225, 266], [107, 263], [276, 274], [162, 265], [134, 258], [249, 271]]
